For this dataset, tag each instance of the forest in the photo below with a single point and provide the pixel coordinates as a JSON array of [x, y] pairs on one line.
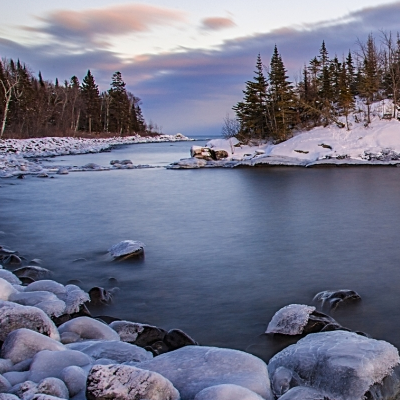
[[273, 108], [33, 107]]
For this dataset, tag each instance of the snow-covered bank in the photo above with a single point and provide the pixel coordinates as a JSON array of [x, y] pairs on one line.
[[375, 144], [17, 156]]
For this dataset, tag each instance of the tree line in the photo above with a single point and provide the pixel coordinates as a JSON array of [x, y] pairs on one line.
[[31, 106], [273, 107]]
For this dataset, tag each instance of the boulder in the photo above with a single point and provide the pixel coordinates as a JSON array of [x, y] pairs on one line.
[[303, 393], [8, 396], [5, 385], [100, 296], [6, 289], [227, 392], [175, 339], [194, 368], [330, 299], [125, 382], [53, 387], [25, 343], [75, 379], [15, 316], [343, 365], [9, 277], [126, 249], [89, 328], [136, 333], [34, 272]]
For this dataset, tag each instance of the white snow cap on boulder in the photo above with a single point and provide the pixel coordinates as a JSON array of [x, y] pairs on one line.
[[6, 289], [325, 360], [194, 368], [290, 320], [227, 392], [89, 328], [125, 248]]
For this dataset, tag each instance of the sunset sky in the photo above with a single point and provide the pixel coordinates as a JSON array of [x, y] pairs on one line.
[[186, 60]]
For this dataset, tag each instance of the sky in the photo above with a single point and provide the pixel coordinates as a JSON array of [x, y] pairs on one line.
[[187, 60]]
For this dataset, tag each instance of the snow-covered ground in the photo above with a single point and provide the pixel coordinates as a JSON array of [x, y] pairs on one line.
[[16, 155], [377, 143]]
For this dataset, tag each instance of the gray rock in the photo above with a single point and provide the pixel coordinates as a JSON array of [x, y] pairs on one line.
[[227, 392], [34, 272], [124, 382], [126, 249], [5, 385], [175, 339], [75, 379], [53, 387], [194, 368], [136, 333], [303, 393]]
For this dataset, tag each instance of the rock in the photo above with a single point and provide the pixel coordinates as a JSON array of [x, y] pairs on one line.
[[100, 296], [343, 365], [47, 363], [75, 379], [158, 348], [89, 328], [43, 175], [47, 285], [92, 166], [333, 298], [25, 390], [41, 396], [11, 260], [53, 387], [303, 393], [220, 154], [126, 249], [14, 316], [203, 153], [127, 382], [16, 377], [8, 396], [227, 392], [63, 171], [5, 365], [6, 289], [139, 334], [25, 343], [9, 277], [126, 162], [5, 385], [112, 162], [117, 351], [175, 339], [194, 368], [280, 381], [33, 271]]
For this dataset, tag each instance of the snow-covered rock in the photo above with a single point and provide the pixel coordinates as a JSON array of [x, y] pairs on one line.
[[34, 272], [8, 396], [25, 343], [6, 289], [75, 379], [89, 328], [5, 385], [48, 363], [9, 277], [126, 249], [227, 392], [127, 383], [332, 298], [343, 365], [303, 393], [194, 368], [117, 351], [14, 316]]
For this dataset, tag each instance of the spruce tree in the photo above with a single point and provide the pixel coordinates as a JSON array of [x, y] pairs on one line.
[[91, 102], [119, 105]]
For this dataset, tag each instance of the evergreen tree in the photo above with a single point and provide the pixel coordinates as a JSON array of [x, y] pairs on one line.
[[280, 98], [251, 112], [91, 102], [119, 115], [346, 99]]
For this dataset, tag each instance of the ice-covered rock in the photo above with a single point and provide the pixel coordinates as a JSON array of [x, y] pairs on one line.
[[140, 334], [25, 343], [14, 316], [25, 390], [194, 368], [47, 285], [188, 163], [74, 298], [34, 272], [117, 351], [53, 387], [9, 277], [6, 289], [280, 381], [47, 363], [5, 385], [303, 393], [227, 392], [8, 396], [176, 338], [89, 328], [290, 320], [343, 365], [5, 365], [75, 379], [126, 249], [332, 298], [41, 396], [124, 382]]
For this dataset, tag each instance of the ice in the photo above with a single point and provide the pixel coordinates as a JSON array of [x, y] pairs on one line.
[[47, 285], [5, 385], [31, 299], [129, 331], [9, 277], [127, 382], [194, 368], [14, 316], [47, 363], [75, 379], [75, 297], [53, 308], [89, 328], [116, 351], [6, 289], [125, 248], [25, 343], [290, 320], [227, 392], [303, 393], [341, 364]]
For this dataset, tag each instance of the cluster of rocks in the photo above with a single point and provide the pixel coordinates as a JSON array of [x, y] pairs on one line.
[[52, 348]]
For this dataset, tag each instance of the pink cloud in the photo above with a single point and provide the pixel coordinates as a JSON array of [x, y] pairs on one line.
[[114, 20], [217, 23]]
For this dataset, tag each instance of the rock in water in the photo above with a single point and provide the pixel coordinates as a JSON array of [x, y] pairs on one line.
[[343, 365], [34, 272], [194, 368], [14, 316], [332, 298], [139, 334], [125, 382], [25, 343], [126, 249]]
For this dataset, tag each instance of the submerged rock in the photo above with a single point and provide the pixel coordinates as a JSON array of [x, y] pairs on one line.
[[342, 365], [332, 298], [126, 249]]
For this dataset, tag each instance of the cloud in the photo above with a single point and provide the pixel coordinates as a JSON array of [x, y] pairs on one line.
[[217, 23], [192, 90], [115, 20]]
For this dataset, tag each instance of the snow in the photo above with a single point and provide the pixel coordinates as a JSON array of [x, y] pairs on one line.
[[75, 379], [9, 277], [290, 320], [323, 361]]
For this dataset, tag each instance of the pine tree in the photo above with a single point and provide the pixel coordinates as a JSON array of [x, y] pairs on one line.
[[91, 102], [346, 99], [251, 112], [280, 98], [119, 120]]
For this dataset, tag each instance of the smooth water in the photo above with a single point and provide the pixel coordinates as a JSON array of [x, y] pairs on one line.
[[225, 248]]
